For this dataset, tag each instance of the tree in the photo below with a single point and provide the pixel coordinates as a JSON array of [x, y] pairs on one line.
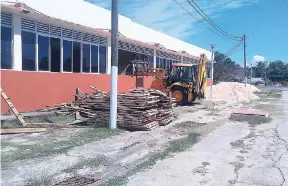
[[260, 69], [224, 69], [277, 71]]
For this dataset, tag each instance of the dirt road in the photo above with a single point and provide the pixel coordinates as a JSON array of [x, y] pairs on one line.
[[48, 158], [237, 154], [229, 153]]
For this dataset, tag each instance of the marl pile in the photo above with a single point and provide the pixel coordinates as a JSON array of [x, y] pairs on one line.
[[233, 92]]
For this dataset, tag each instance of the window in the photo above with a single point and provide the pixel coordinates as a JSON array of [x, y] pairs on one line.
[[151, 61], [94, 59], [55, 49], [168, 64], [102, 60], [157, 62], [43, 53], [6, 44], [161, 63], [76, 57], [86, 58], [28, 51], [67, 56]]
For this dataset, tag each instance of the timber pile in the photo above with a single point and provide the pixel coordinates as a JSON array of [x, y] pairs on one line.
[[139, 109]]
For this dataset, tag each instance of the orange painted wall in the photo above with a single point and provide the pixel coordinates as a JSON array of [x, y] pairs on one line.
[[30, 91]]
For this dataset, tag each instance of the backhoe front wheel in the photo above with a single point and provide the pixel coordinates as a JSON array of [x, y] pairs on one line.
[[180, 95]]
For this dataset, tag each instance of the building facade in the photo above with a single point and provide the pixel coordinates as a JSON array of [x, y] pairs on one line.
[[50, 47]]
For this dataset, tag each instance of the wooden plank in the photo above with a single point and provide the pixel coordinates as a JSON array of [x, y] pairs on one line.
[[14, 110], [54, 126], [250, 111], [22, 130], [77, 114]]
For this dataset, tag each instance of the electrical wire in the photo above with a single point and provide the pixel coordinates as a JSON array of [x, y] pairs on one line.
[[213, 25], [201, 22], [211, 22], [233, 49]]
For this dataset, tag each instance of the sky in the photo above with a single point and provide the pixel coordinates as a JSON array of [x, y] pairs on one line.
[[264, 22]]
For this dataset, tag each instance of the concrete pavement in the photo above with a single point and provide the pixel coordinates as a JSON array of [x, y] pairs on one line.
[[235, 154]]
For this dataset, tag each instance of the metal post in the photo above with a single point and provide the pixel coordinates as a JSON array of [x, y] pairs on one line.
[[244, 38], [212, 69], [251, 73], [114, 65]]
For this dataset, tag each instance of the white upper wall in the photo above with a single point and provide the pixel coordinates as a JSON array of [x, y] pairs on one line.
[[87, 14]]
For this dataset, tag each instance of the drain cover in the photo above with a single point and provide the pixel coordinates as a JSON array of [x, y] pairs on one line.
[[77, 181]]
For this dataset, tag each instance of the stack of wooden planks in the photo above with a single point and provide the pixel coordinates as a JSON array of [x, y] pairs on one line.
[[139, 109]]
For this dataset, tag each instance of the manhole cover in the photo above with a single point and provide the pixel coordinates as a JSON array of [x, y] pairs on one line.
[[76, 181]]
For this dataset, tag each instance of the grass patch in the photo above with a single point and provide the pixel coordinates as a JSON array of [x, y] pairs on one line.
[[55, 147], [188, 125], [270, 94], [258, 121], [53, 119], [175, 146], [40, 180], [90, 162]]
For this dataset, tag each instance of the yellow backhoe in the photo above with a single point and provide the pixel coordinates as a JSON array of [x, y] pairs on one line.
[[185, 82]]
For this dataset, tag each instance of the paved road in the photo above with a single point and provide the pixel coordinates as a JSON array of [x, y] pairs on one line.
[[235, 154]]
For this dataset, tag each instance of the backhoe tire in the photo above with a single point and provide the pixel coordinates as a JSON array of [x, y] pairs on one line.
[[180, 95]]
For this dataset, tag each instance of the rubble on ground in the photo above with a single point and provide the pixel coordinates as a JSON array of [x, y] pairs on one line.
[[233, 92], [139, 109]]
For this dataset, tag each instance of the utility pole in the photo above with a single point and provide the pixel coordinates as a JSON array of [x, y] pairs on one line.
[[212, 69], [251, 72], [114, 65], [244, 39]]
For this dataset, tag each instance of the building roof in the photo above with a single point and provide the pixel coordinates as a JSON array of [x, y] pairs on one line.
[[72, 21]]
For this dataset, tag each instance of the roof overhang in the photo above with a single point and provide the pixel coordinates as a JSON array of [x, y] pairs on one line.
[[28, 12]]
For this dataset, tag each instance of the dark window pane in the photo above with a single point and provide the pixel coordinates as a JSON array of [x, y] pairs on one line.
[[67, 56], [76, 57], [151, 61], [86, 58], [6, 40], [94, 59], [102, 56], [55, 54], [43, 53], [28, 51], [157, 62], [168, 64], [161, 63]]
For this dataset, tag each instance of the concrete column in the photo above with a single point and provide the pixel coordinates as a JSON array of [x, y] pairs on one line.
[[36, 53], [108, 61], [181, 59], [154, 58], [17, 43]]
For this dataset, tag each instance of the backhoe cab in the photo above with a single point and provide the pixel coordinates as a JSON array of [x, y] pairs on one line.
[[184, 82]]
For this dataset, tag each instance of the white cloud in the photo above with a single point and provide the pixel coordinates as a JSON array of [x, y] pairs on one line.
[[257, 58], [168, 17]]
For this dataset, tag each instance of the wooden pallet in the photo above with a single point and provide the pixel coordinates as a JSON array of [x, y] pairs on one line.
[[14, 110]]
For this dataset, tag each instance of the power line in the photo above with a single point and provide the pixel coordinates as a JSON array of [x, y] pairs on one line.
[[233, 49], [211, 22], [202, 22]]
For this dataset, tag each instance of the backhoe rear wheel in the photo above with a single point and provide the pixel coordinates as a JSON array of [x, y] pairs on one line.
[[180, 95]]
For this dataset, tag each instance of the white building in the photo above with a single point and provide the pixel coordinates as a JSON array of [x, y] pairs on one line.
[[74, 36]]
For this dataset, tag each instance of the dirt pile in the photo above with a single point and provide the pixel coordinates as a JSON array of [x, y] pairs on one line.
[[233, 92]]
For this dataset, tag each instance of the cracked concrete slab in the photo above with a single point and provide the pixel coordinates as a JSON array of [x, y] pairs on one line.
[[267, 175], [238, 154]]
